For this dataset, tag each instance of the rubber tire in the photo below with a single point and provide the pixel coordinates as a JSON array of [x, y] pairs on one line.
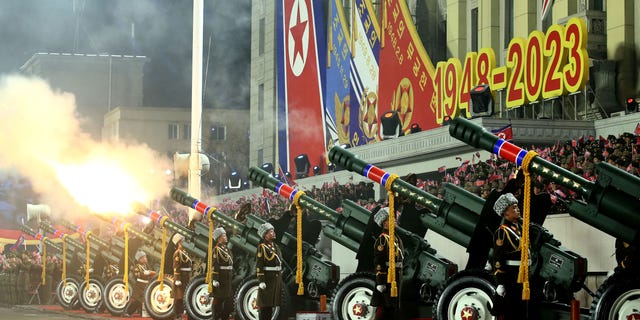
[[357, 286], [246, 296], [196, 299], [162, 310], [605, 302], [112, 300], [95, 304], [68, 302], [464, 283]]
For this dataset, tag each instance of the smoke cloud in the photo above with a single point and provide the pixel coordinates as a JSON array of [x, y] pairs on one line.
[[41, 137]]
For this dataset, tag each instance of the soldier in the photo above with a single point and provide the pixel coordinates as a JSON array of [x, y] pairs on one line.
[[143, 274], [506, 258], [221, 274], [268, 272], [181, 274], [627, 257], [388, 306]]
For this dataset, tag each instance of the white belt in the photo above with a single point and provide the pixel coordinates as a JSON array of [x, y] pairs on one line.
[[398, 264], [185, 269], [228, 268], [143, 281], [515, 263], [272, 268]]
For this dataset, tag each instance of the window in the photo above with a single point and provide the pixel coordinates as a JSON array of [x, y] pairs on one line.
[[173, 131], [261, 102], [186, 131], [218, 132], [508, 22], [474, 29], [261, 37]]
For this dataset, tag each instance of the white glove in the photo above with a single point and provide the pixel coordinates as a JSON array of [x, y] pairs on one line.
[[500, 290], [146, 272], [381, 287], [177, 282], [262, 285], [90, 270], [215, 283]]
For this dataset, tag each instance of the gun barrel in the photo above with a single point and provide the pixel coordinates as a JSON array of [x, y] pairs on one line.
[[457, 224], [478, 137], [612, 201], [38, 236], [59, 234], [83, 233], [120, 223], [193, 203]]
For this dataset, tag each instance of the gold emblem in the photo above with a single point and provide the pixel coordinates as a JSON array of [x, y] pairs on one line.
[[259, 255], [380, 248], [499, 242]]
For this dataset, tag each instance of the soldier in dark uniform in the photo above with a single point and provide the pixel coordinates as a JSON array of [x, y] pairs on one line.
[[269, 272], [221, 274], [506, 258], [388, 306], [181, 274], [627, 257], [143, 274]]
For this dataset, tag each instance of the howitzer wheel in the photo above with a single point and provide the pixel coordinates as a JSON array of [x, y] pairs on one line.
[[91, 295], [351, 299], [67, 293], [196, 299], [618, 298], [246, 301], [116, 298], [467, 295], [159, 301]]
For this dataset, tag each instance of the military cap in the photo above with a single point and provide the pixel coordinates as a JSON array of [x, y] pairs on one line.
[[262, 230], [140, 254], [503, 202], [218, 232], [177, 238], [381, 216]]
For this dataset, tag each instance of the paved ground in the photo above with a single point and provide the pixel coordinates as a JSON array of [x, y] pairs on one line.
[[28, 312]]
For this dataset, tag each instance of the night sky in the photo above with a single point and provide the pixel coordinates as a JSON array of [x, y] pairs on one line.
[[163, 33]]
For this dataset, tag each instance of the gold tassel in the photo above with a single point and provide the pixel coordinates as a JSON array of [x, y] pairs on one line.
[[163, 250], [87, 263], [209, 276], [383, 12], [523, 272], [299, 280], [125, 275], [391, 274], [64, 260], [44, 261]]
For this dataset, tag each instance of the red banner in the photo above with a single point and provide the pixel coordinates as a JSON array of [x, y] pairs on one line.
[[303, 88], [406, 71]]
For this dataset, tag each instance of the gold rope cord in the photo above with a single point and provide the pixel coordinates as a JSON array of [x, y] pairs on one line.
[[299, 280], [523, 272], [163, 251], [391, 275], [87, 263], [44, 261], [125, 275], [64, 260], [209, 277]]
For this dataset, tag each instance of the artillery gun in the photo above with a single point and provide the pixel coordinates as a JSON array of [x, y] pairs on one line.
[[354, 228], [610, 204], [67, 288], [469, 221], [319, 275]]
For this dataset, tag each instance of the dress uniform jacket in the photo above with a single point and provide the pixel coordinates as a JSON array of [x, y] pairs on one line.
[[142, 280], [269, 271], [181, 271], [222, 271], [506, 255], [381, 266]]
